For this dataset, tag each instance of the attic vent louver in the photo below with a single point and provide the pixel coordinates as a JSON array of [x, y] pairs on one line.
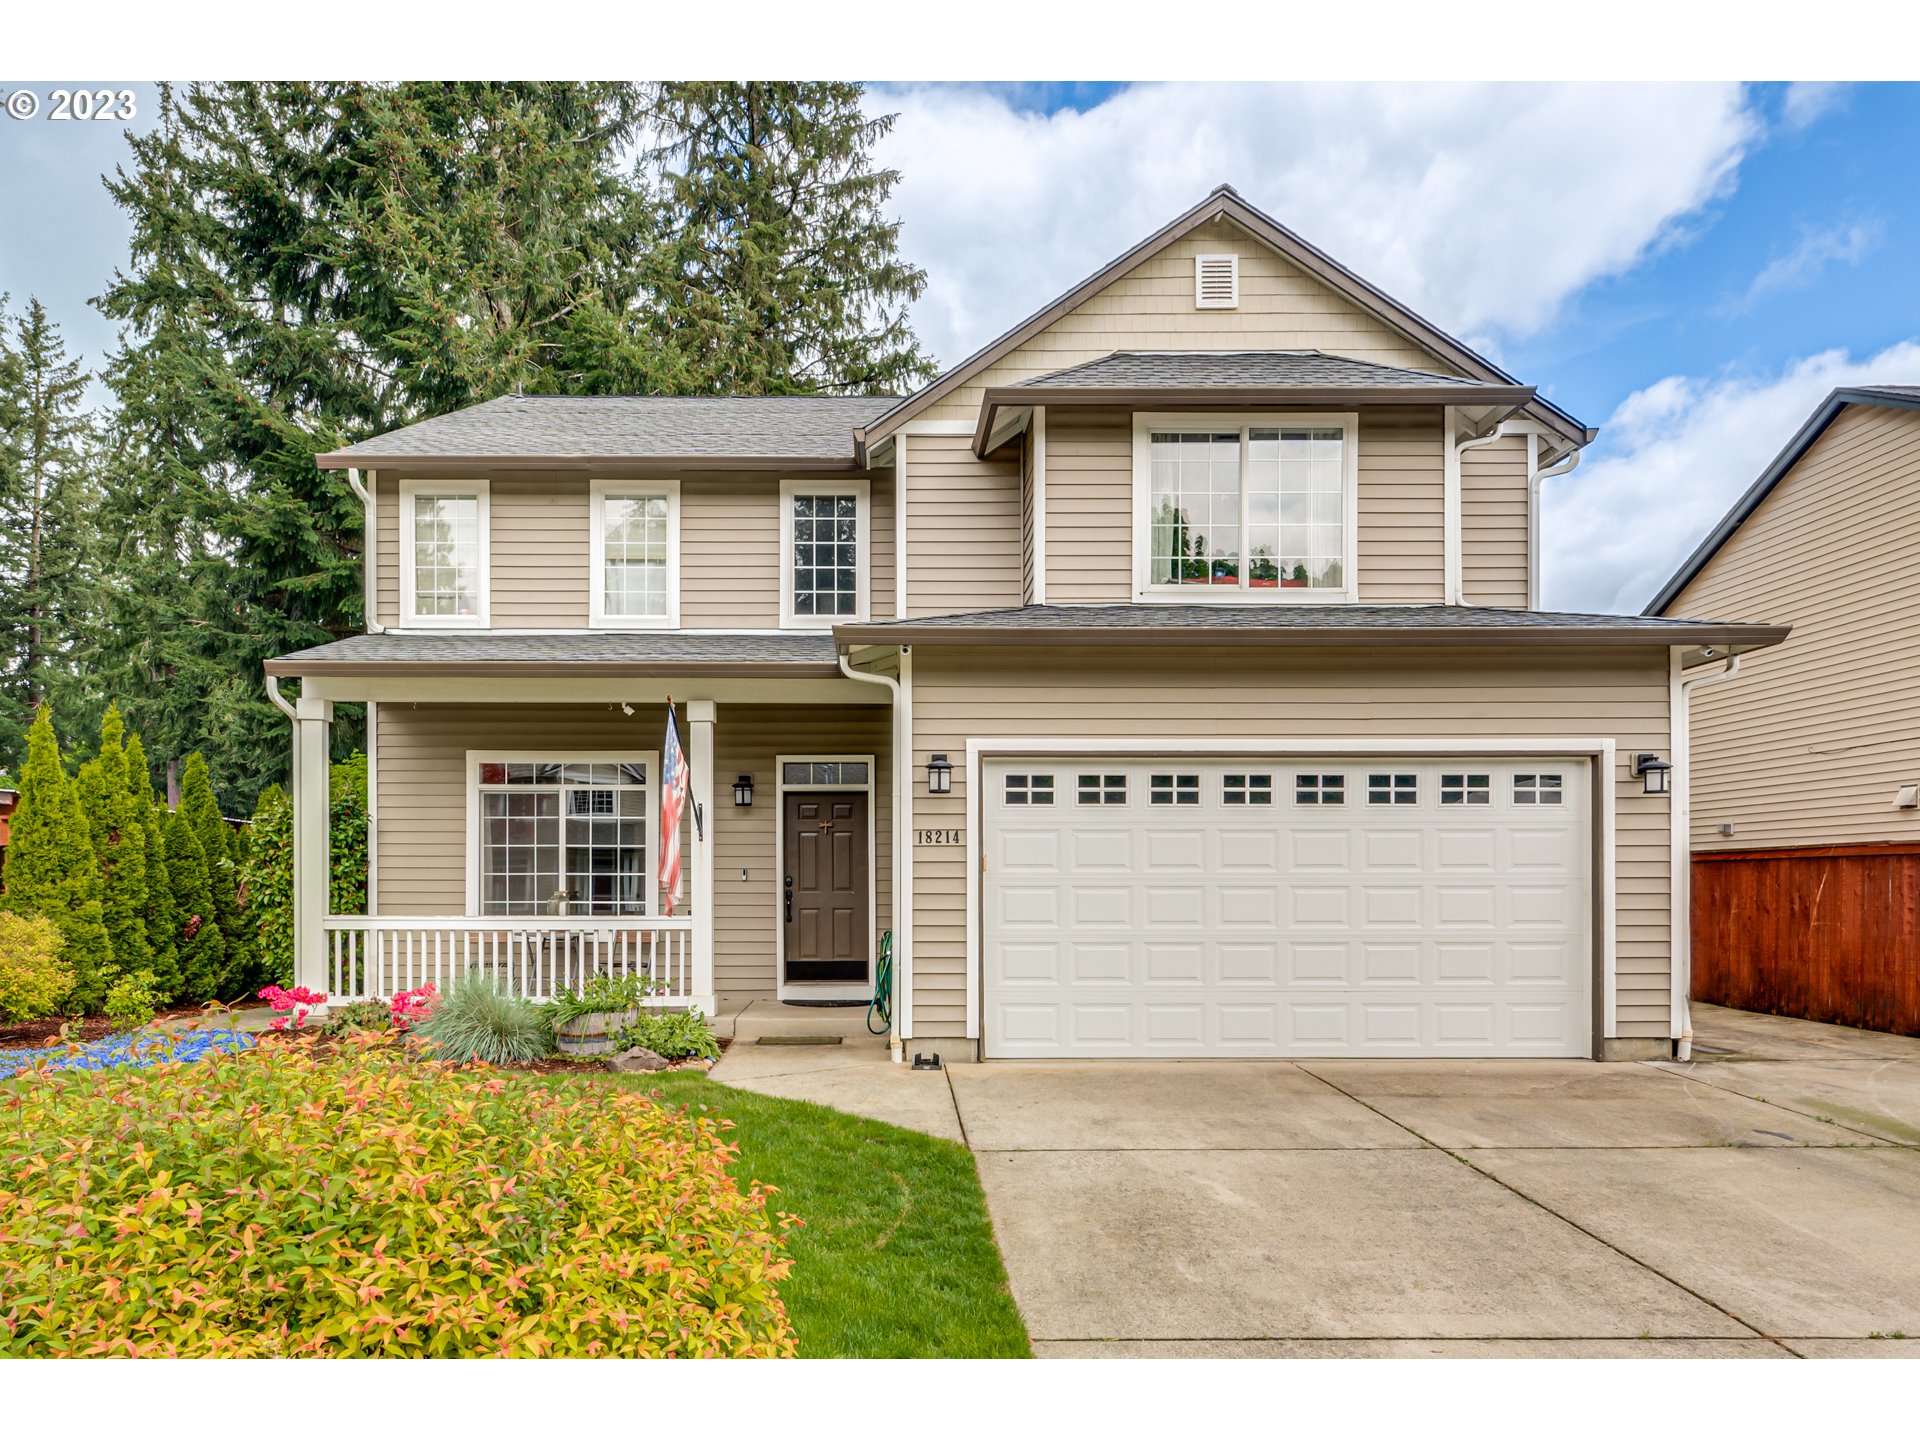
[[1216, 282]]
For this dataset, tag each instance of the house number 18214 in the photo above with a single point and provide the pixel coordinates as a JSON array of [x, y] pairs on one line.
[[936, 837]]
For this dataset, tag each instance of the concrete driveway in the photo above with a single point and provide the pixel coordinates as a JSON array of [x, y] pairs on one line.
[[1761, 1201]]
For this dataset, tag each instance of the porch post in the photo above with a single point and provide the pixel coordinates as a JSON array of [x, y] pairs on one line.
[[700, 725], [311, 863]]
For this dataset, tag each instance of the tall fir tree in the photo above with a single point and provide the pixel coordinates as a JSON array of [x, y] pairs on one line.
[[51, 869], [780, 272], [202, 949], [118, 831], [312, 264], [202, 811], [48, 530], [161, 915]]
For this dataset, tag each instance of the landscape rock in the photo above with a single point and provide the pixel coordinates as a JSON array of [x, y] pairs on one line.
[[636, 1060]]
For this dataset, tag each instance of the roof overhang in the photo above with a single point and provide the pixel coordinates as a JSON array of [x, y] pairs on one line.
[[1724, 640], [587, 464], [292, 665], [1006, 409]]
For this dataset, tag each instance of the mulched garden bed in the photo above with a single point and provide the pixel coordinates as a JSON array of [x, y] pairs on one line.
[[31, 1034]]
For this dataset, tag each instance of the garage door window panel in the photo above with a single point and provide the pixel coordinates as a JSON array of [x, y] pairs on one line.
[[1320, 789], [1466, 789], [1245, 789], [1393, 789], [1029, 790], [1537, 789], [1173, 789], [1102, 789]]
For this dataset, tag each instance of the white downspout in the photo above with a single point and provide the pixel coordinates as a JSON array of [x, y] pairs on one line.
[[1682, 863], [902, 770], [899, 526], [1453, 518], [1564, 466], [279, 700], [369, 577]]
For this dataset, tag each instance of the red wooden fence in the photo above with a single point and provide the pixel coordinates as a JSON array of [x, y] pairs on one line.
[[1825, 933]]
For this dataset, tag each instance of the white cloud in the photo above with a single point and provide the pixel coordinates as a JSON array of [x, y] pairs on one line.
[[1818, 247], [1677, 454], [1805, 101], [1484, 207]]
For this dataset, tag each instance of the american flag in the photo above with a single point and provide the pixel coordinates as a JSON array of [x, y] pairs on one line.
[[673, 799]]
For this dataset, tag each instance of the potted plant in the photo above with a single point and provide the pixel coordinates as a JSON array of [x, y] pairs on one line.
[[585, 1023]]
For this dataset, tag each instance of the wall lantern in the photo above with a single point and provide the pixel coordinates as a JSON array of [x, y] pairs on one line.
[[939, 775], [1653, 773], [743, 791]]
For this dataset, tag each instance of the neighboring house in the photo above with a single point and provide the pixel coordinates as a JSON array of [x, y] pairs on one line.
[[1173, 654], [1806, 776]]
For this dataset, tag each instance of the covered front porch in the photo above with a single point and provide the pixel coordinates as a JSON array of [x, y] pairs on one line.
[[515, 820]]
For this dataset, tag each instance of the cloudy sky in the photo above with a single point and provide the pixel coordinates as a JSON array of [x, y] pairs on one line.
[[1689, 268]]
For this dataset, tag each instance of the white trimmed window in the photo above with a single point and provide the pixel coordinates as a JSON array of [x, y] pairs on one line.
[[443, 558], [1255, 508], [561, 837], [823, 557], [636, 554]]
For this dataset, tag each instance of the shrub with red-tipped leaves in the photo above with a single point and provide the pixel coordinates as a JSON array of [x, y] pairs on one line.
[[293, 1200]]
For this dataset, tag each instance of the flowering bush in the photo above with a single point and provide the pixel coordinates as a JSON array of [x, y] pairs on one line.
[[287, 1201], [411, 1005], [299, 1000]]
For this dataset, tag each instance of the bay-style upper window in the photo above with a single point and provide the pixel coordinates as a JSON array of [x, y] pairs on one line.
[[443, 553], [636, 554], [1244, 508], [561, 836], [823, 557]]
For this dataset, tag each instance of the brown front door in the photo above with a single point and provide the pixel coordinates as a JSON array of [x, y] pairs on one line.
[[823, 895]]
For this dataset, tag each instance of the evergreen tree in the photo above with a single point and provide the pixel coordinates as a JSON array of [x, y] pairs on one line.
[[203, 950], [161, 915], [51, 869], [202, 810], [312, 264], [117, 828], [780, 272], [48, 500]]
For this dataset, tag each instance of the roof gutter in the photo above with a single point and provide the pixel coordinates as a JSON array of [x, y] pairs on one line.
[[594, 464], [1736, 636], [293, 665], [1501, 402]]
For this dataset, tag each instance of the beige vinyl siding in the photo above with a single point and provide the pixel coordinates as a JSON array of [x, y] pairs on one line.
[[1493, 524], [963, 527], [1402, 508], [1028, 521], [1810, 741], [542, 550], [962, 694], [423, 789], [1089, 507], [1151, 308]]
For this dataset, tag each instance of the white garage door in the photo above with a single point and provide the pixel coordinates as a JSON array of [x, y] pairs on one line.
[[1186, 908]]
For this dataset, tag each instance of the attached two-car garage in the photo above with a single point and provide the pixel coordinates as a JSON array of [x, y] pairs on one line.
[[1275, 905]]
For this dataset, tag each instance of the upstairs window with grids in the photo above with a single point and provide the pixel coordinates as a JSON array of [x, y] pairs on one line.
[[444, 565], [824, 566], [563, 837], [636, 544]]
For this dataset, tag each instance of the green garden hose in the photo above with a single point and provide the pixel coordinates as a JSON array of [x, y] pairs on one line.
[[882, 1002]]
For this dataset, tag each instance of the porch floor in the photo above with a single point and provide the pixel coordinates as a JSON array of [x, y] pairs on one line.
[[857, 1075]]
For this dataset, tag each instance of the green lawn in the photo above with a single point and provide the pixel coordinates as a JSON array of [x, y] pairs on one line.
[[897, 1257]]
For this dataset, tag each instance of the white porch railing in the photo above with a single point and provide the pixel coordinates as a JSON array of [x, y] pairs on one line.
[[373, 958]]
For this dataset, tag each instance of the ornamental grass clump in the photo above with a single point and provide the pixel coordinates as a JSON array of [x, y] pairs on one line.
[[476, 1021], [298, 1201]]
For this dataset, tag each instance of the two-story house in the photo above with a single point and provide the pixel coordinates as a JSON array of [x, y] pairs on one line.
[[1165, 677]]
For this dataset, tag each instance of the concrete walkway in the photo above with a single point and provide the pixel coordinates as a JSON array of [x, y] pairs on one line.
[[1763, 1200]]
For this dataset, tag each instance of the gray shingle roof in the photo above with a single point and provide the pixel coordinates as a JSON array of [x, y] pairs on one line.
[[625, 652], [1305, 369], [1335, 624], [612, 427]]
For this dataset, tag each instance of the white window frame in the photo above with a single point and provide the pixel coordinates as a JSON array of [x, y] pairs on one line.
[[862, 493], [1144, 591], [509, 755], [409, 618], [597, 616]]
